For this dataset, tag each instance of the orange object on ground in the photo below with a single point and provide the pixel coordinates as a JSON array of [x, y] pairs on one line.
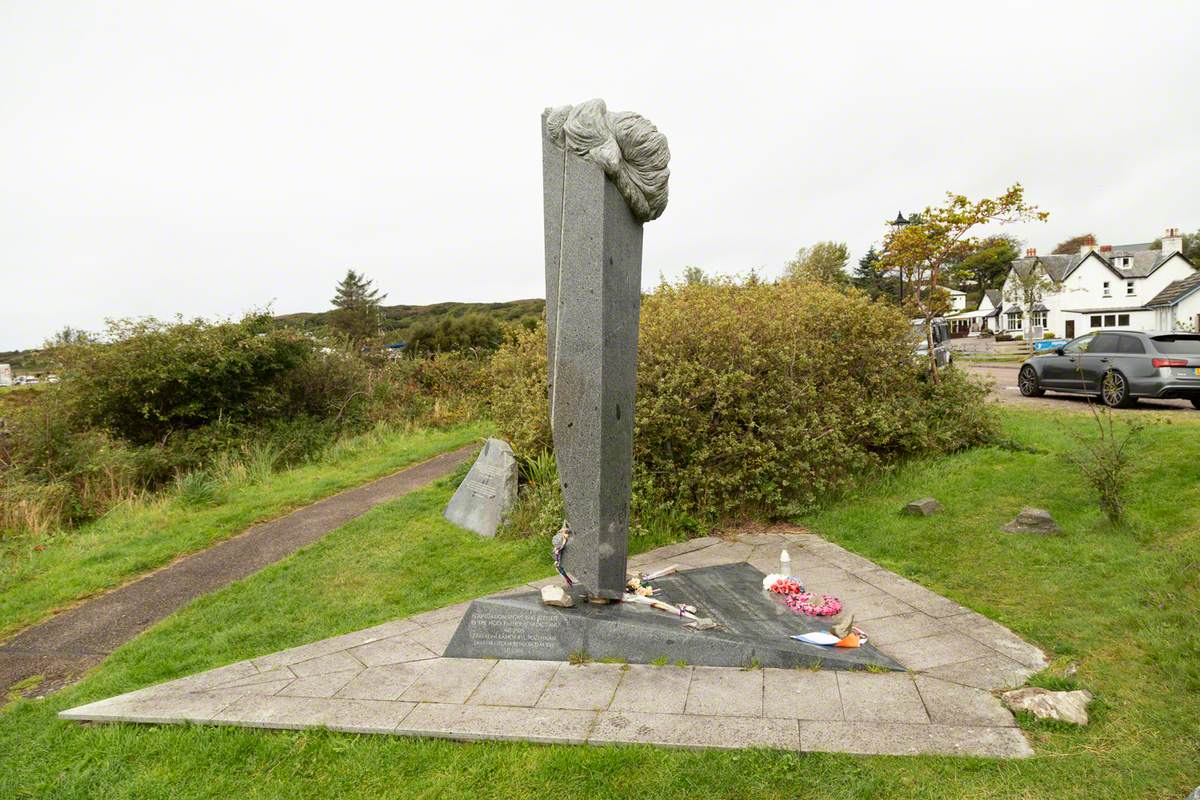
[[851, 640]]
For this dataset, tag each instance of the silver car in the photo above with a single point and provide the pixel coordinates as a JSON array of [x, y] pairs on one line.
[[1118, 367]]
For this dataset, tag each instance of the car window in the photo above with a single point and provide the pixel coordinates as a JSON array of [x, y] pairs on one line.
[[1178, 344], [1130, 344], [1104, 343], [1079, 345]]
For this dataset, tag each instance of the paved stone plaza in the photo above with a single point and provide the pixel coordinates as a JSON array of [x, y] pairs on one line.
[[392, 679]]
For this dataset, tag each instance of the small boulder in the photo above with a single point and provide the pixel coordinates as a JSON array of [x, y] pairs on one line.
[[1045, 704], [556, 596], [1032, 520], [923, 507]]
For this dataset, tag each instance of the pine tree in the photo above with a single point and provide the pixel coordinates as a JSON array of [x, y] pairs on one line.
[[356, 308], [871, 277]]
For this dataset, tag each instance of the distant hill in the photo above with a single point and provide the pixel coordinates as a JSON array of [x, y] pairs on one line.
[[398, 320]]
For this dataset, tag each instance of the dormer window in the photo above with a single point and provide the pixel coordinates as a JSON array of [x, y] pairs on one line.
[[1107, 291], [1129, 289]]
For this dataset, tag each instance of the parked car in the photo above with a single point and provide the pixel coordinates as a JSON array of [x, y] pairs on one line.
[[941, 341], [1118, 367]]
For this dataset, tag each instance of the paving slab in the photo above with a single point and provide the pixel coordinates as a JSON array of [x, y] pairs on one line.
[[693, 731], [448, 680], [873, 738], [882, 697], [991, 672], [936, 651], [954, 704], [296, 713], [326, 685], [515, 683], [385, 682], [393, 650], [903, 627], [582, 686], [725, 692], [650, 689], [801, 694], [547, 725]]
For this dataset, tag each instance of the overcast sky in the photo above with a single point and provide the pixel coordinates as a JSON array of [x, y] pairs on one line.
[[207, 158]]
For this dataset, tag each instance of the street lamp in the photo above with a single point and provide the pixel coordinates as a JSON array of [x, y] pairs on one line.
[[897, 224]]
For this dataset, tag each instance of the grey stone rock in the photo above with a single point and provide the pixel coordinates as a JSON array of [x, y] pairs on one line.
[[1195, 795], [557, 596], [1032, 520], [1045, 704], [593, 300], [489, 490], [754, 627], [924, 507]]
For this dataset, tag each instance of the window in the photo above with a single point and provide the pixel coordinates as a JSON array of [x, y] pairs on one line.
[[1014, 320], [1097, 321], [1105, 343], [1178, 344], [1039, 318], [1129, 290], [1123, 321], [1130, 344], [1107, 291], [1110, 320], [1079, 345]]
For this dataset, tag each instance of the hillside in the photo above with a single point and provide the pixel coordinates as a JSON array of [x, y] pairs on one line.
[[398, 320]]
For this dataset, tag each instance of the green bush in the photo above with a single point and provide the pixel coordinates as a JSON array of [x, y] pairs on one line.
[[150, 379], [162, 403], [760, 399]]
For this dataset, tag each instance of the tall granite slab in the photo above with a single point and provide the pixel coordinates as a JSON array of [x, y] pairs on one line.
[[754, 628], [489, 490], [593, 301]]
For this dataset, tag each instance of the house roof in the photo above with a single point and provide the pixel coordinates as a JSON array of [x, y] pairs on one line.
[[1122, 310], [1175, 291], [1058, 267], [994, 296]]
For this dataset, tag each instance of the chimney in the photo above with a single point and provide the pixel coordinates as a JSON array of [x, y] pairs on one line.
[[1105, 249], [1172, 243], [1088, 246], [1031, 252]]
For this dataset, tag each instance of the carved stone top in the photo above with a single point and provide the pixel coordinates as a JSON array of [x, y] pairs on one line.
[[627, 146]]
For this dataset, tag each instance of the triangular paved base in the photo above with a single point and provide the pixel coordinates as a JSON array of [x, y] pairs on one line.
[[396, 678], [755, 628]]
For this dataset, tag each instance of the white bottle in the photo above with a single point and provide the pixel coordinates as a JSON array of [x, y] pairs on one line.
[[785, 563]]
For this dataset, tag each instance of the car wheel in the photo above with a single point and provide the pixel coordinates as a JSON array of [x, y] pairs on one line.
[[1114, 390], [1028, 382]]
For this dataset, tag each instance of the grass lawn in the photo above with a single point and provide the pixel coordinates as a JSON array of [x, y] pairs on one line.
[[39, 575], [1122, 603]]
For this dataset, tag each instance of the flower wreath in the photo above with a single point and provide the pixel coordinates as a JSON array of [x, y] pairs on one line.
[[803, 602]]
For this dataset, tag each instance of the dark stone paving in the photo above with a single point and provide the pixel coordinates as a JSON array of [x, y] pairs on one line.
[[754, 628], [65, 645]]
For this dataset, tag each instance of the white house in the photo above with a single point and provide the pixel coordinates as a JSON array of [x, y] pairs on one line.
[[1127, 286], [982, 319]]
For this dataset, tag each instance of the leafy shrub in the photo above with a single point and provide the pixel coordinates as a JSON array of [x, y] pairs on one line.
[[1105, 461], [760, 399], [151, 379]]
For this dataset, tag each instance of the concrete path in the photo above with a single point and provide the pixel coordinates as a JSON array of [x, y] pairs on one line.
[[392, 678], [65, 645]]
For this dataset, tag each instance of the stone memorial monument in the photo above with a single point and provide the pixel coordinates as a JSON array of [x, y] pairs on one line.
[[489, 490], [604, 175]]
